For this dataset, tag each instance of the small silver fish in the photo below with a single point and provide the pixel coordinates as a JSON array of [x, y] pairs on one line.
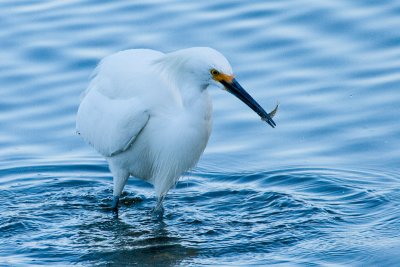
[[273, 112]]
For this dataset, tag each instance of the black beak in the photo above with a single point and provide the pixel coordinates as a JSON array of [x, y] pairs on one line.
[[237, 90]]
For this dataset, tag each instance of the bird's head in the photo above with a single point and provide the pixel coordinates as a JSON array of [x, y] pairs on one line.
[[208, 66], [220, 72]]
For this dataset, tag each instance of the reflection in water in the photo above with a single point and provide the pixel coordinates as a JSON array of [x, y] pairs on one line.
[[146, 243]]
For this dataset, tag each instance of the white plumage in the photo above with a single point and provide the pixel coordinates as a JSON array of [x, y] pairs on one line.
[[149, 113]]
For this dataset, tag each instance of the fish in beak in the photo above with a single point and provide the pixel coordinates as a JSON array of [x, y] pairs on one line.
[[233, 87]]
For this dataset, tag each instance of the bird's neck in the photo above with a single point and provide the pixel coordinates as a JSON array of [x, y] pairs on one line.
[[188, 85], [189, 88], [191, 91]]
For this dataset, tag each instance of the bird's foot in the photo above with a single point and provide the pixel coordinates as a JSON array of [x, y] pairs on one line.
[[114, 206], [158, 210]]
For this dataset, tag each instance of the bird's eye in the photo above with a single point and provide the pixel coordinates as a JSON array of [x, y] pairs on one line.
[[214, 72]]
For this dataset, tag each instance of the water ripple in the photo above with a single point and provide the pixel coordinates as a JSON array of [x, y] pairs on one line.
[[261, 213], [320, 189]]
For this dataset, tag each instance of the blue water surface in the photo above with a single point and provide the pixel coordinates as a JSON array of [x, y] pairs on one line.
[[321, 189]]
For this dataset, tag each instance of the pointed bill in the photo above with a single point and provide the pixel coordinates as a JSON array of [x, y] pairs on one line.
[[237, 90]]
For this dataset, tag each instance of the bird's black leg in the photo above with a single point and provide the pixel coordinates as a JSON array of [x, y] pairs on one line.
[[114, 205], [158, 210]]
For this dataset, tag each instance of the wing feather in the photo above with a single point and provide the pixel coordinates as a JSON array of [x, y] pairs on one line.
[[114, 107], [110, 125]]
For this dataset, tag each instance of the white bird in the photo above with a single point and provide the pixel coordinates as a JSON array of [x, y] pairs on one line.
[[149, 113]]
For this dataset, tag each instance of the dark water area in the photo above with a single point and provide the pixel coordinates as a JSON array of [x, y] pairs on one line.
[[321, 189]]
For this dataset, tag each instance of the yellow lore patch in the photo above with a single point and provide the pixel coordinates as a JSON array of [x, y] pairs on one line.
[[219, 77]]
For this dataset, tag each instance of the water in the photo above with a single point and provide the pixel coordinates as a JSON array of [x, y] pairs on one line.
[[320, 189]]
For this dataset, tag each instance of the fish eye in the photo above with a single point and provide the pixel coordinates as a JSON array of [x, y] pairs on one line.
[[214, 72]]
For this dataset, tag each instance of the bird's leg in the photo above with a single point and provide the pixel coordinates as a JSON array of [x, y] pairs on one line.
[[120, 177], [158, 210], [159, 205], [114, 204]]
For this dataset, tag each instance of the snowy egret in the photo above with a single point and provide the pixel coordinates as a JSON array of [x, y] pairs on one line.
[[149, 113]]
